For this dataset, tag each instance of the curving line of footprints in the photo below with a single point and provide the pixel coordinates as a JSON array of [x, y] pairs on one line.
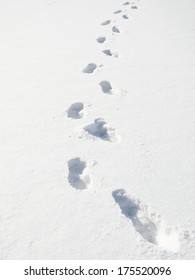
[[146, 222]]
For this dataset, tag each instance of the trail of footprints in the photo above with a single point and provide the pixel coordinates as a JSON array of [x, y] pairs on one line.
[[148, 224]]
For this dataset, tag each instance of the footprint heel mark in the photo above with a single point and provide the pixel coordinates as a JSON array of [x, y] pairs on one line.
[[115, 29], [78, 177], [100, 129], [106, 87], [101, 39], [146, 222], [106, 22], [75, 111], [90, 68]]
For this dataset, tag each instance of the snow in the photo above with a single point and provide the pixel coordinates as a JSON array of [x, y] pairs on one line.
[[97, 141]]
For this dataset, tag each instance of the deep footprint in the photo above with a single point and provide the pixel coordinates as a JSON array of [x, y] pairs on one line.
[[78, 178], [106, 87], [106, 22], [75, 111], [90, 68], [101, 40], [146, 222], [101, 130], [126, 3]]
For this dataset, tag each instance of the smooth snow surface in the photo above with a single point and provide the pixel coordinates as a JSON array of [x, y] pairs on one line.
[[97, 146]]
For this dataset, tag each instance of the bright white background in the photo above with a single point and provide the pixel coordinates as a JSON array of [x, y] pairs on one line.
[[44, 46]]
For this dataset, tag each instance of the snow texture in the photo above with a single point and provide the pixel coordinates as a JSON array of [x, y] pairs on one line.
[[88, 171]]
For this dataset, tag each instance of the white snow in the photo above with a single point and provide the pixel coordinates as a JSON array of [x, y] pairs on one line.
[[97, 146]]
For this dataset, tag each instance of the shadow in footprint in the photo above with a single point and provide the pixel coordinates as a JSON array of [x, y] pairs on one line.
[[106, 22], [125, 17], [78, 178], [107, 52], [101, 40], [117, 12], [115, 29], [106, 87], [90, 68], [147, 223], [134, 7], [110, 53], [75, 111], [101, 130], [126, 3]]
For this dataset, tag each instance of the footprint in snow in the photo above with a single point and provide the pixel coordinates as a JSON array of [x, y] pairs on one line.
[[115, 29], [146, 222], [134, 7], [100, 129], [117, 12], [126, 3], [106, 87], [101, 39], [110, 53], [125, 17], [106, 22], [78, 176], [90, 68], [75, 111]]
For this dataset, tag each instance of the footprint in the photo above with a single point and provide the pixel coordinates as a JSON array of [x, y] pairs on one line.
[[106, 87], [146, 222], [125, 17], [78, 177], [107, 52], [110, 53], [115, 29], [117, 12], [101, 40], [90, 68], [106, 22], [100, 129], [75, 111], [126, 3], [134, 7]]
